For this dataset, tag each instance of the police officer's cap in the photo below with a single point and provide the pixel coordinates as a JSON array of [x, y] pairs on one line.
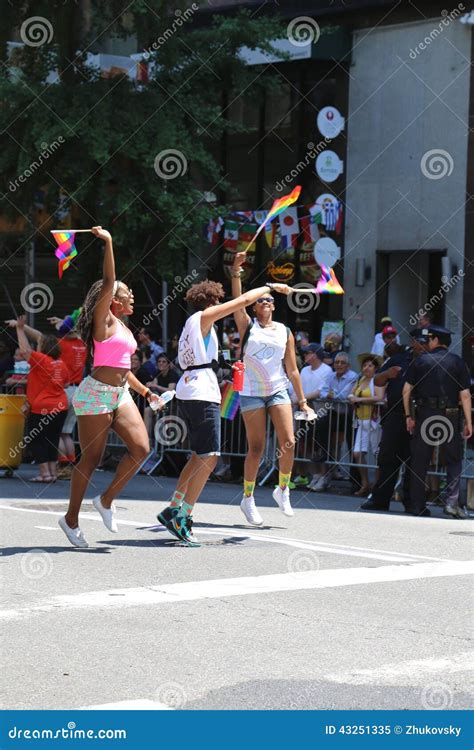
[[418, 334], [435, 330]]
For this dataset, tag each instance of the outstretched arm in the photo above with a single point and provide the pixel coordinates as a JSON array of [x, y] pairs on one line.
[[102, 308], [216, 312], [32, 333], [23, 342], [242, 320]]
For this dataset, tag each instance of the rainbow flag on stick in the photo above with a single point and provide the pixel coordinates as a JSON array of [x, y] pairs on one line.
[[66, 250], [278, 206], [328, 283], [230, 402]]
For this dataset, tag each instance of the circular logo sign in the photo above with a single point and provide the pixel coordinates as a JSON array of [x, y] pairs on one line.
[[330, 122], [326, 252], [329, 166]]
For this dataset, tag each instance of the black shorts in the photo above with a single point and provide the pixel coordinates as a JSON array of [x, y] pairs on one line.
[[203, 422]]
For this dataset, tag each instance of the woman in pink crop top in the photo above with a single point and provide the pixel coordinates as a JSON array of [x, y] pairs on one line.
[[103, 399]]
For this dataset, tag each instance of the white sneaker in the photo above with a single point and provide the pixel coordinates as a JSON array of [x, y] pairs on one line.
[[321, 485], [282, 499], [107, 514], [75, 536], [314, 480], [247, 506]]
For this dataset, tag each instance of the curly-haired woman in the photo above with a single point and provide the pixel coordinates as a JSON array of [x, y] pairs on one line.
[[199, 397], [103, 399]]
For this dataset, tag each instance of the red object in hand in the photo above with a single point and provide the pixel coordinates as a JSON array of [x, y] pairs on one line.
[[238, 377]]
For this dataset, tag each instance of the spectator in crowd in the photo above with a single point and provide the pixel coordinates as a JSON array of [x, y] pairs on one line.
[[341, 383], [145, 338], [426, 320], [147, 364], [141, 374], [364, 396], [166, 379], [332, 345], [46, 398], [395, 441], [6, 360], [18, 377], [315, 382], [172, 352], [378, 344]]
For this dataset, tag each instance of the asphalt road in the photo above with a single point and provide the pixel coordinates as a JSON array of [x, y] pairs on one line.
[[332, 609]]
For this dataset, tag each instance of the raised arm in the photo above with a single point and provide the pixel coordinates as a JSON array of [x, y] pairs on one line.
[[102, 307], [23, 342], [242, 320], [216, 312]]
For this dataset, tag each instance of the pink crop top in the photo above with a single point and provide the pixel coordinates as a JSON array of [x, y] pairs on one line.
[[117, 350]]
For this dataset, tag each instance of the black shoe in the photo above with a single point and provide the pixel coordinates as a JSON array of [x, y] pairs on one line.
[[456, 511], [371, 505], [166, 517], [424, 513]]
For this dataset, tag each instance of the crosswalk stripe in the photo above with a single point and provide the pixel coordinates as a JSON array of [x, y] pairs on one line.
[[242, 586]]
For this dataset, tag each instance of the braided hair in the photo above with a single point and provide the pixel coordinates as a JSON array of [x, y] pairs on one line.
[[86, 318]]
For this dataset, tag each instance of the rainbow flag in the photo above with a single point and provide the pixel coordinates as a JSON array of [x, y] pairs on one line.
[[278, 206], [230, 402], [328, 283], [66, 250]]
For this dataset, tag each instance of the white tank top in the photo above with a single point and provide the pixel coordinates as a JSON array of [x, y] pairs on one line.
[[197, 385], [263, 358]]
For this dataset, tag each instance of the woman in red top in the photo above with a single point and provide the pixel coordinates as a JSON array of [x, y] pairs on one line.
[[47, 399]]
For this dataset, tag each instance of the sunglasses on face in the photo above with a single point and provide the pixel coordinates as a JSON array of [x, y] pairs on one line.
[[265, 299]]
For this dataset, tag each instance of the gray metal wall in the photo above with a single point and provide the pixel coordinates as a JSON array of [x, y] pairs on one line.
[[403, 102]]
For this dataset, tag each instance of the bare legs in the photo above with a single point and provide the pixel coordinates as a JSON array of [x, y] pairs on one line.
[[194, 476]]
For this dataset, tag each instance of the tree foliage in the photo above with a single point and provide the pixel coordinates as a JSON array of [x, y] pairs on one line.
[[111, 130]]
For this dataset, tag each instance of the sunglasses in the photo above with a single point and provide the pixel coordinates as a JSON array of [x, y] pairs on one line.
[[265, 299]]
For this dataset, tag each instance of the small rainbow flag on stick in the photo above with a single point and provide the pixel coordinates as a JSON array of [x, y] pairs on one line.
[[230, 402], [328, 283], [66, 250], [278, 206]]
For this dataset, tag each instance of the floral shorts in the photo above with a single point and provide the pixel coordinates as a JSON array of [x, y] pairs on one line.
[[93, 397]]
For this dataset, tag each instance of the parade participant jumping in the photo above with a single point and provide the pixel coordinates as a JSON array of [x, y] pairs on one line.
[[199, 397], [103, 399], [268, 349]]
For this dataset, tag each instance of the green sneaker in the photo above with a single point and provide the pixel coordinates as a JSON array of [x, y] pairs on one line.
[[165, 518], [301, 481], [182, 527]]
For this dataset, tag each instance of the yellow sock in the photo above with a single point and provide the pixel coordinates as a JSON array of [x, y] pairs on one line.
[[283, 480], [248, 488]]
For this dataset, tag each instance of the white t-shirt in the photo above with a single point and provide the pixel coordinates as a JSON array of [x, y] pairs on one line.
[[197, 385], [316, 380], [378, 344], [263, 359]]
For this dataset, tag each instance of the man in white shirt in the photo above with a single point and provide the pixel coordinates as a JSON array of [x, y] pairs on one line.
[[387, 335]]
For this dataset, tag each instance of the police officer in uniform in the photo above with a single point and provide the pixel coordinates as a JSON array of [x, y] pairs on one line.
[[394, 447], [439, 382]]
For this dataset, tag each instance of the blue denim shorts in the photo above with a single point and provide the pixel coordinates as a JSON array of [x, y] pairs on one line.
[[264, 402]]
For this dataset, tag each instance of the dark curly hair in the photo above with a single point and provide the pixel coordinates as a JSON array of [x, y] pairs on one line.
[[205, 294]]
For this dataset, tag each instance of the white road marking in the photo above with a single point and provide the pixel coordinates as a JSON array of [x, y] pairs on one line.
[[48, 528], [371, 554], [132, 705], [226, 587], [408, 672]]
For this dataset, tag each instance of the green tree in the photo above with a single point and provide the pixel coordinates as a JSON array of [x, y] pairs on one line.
[[110, 131]]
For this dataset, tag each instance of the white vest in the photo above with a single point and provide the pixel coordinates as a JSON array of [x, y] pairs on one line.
[[263, 358], [197, 385]]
